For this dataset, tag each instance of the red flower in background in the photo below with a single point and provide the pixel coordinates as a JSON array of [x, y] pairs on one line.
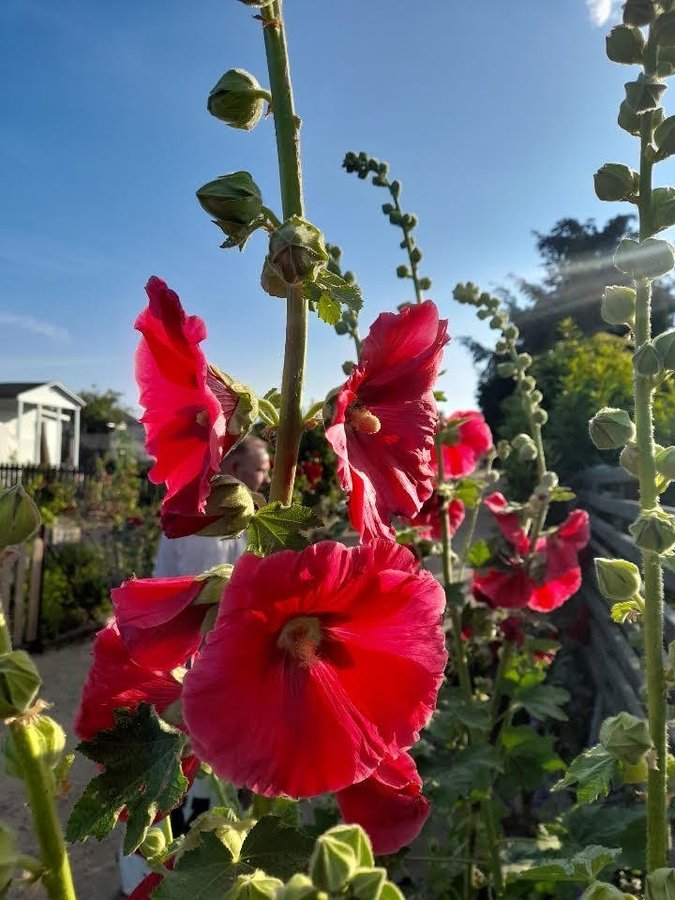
[[334, 655], [389, 805], [465, 439], [385, 419], [429, 517], [545, 581], [187, 406]]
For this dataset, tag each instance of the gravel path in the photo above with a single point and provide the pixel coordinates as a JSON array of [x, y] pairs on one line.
[[94, 864]]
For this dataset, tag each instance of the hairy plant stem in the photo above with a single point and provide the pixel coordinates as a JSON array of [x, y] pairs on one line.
[[287, 129], [493, 846], [41, 792], [657, 821], [5, 639], [419, 296], [460, 652]]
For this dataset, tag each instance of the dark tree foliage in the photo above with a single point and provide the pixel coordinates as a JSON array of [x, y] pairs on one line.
[[103, 410]]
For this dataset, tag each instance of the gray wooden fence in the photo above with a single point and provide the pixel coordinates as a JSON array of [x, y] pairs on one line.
[[21, 590]]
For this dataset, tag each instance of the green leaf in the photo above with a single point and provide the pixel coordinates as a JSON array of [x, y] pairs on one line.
[[583, 866], [203, 873], [591, 774], [479, 554], [543, 701], [276, 848], [625, 609], [328, 310], [278, 527], [329, 293], [142, 771], [470, 772], [529, 758], [561, 494], [468, 491]]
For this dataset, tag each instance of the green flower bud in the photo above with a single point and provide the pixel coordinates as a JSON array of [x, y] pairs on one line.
[[539, 416], [524, 361], [237, 100], [644, 94], [498, 321], [503, 449], [367, 883], [348, 367], [654, 531], [665, 64], [257, 3], [618, 305], [629, 459], [614, 181], [626, 737], [610, 428], [19, 516], [628, 119], [299, 887], [391, 892], [603, 890], [646, 360], [234, 201], [648, 259], [215, 580], [425, 284], [153, 844], [549, 480], [639, 12], [484, 314], [506, 369], [663, 208], [635, 774], [664, 137], [665, 347], [332, 863], [257, 886], [625, 44], [618, 579], [665, 463], [19, 684], [661, 885], [272, 283], [341, 327], [403, 272], [527, 452], [8, 856], [511, 333], [232, 502], [663, 30], [297, 251], [528, 383]]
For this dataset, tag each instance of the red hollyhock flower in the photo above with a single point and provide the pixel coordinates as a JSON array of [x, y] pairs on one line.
[[158, 621], [465, 439], [321, 664], [187, 406], [429, 517], [115, 681], [385, 418], [389, 805], [545, 581]]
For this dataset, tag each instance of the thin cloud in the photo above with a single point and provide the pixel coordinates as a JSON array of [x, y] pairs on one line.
[[36, 326], [601, 11]]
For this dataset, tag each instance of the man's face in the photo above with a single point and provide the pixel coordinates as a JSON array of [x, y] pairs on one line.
[[252, 468]]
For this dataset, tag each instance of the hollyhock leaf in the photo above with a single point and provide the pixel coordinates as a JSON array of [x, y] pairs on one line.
[[473, 770], [277, 848], [347, 293], [141, 756], [468, 491], [278, 527], [543, 701], [584, 866], [561, 494], [328, 309], [479, 554], [202, 873], [625, 611], [526, 754], [591, 774], [19, 516]]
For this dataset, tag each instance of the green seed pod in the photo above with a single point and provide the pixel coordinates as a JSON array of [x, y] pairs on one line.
[[625, 44], [611, 428], [614, 181], [19, 516], [403, 272], [654, 531], [663, 30], [297, 251], [618, 579], [367, 883], [665, 347], [425, 284], [648, 259], [332, 863], [618, 305], [19, 683], [661, 885], [237, 100], [664, 137], [644, 94], [234, 201], [646, 360], [665, 463], [639, 12], [626, 737]]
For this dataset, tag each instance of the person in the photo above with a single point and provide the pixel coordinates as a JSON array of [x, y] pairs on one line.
[[193, 554]]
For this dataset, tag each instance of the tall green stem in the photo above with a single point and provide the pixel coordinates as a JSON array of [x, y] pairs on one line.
[[657, 822], [5, 639], [41, 793], [287, 128]]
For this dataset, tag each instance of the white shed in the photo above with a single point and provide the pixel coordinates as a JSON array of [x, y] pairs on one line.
[[39, 424]]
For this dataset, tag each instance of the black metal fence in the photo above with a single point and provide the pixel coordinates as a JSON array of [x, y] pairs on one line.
[[11, 473]]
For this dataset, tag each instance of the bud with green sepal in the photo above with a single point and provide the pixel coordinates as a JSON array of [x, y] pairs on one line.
[[19, 684], [663, 209], [332, 863], [625, 44], [300, 887], [618, 579], [628, 119], [19, 516], [154, 843], [646, 360], [663, 30], [626, 737], [660, 885], [272, 283], [665, 462], [644, 94], [614, 181], [52, 742], [664, 137], [639, 12], [506, 369], [618, 305], [235, 202], [231, 502], [297, 251], [256, 886], [611, 428], [654, 531], [367, 883], [238, 100], [645, 259], [665, 347]]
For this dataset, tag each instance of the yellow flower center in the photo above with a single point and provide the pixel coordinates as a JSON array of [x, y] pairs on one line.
[[361, 419], [301, 637]]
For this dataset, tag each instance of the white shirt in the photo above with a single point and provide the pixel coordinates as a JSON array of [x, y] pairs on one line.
[[193, 554]]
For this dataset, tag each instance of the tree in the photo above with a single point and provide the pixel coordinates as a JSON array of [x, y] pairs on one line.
[[103, 410]]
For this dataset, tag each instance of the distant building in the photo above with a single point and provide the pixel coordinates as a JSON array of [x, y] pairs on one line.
[[39, 424], [120, 438]]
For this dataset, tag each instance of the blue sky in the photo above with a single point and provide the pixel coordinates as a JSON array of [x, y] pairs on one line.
[[494, 123]]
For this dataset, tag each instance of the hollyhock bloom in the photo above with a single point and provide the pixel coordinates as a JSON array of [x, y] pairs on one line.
[[465, 439], [385, 418], [158, 621], [553, 574], [389, 806], [321, 664], [187, 405], [429, 518]]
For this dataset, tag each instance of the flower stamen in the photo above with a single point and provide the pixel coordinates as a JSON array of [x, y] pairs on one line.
[[362, 419], [301, 637]]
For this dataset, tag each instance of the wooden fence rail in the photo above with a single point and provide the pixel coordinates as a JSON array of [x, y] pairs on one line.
[[21, 589]]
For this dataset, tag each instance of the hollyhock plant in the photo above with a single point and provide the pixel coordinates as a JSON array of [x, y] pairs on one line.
[[335, 656], [465, 439], [382, 430], [428, 519], [188, 404], [389, 805]]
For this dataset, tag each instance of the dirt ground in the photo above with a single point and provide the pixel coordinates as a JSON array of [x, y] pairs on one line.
[[94, 864]]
